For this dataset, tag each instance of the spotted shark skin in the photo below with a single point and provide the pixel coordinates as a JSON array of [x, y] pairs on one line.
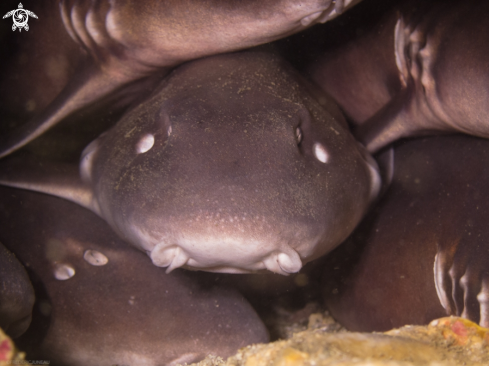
[[99, 302], [234, 164], [127, 40]]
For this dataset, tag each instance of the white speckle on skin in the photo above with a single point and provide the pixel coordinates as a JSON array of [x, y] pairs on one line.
[[320, 153], [145, 143], [95, 258], [131, 300], [63, 272], [336, 132]]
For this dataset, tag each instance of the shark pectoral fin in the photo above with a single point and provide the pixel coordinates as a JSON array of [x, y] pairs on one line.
[[57, 179], [389, 124], [405, 114], [415, 109], [89, 85]]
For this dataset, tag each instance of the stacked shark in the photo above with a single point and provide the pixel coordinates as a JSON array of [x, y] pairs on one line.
[[236, 163]]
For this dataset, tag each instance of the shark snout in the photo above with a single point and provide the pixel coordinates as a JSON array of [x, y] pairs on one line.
[[228, 242], [282, 261]]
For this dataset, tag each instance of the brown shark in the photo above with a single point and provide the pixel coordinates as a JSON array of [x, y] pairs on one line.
[[422, 252], [235, 164], [421, 70], [126, 40], [98, 300]]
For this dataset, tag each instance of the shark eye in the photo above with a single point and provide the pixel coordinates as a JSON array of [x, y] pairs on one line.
[[145, 143], [298, 135], [320, 152]]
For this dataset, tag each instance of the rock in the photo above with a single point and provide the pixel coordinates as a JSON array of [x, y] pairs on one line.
[[8, 353], [449, 341]]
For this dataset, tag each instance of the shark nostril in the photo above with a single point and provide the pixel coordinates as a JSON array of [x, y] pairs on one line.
[[283, 263], [171, 257], [320, 152], [289, 263], [162, 256], [145, 143]]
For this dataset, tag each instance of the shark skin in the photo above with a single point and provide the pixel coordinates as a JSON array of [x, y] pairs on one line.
[[100, 301], [422, 252], [421, 70], [127, 40], [234, 164]]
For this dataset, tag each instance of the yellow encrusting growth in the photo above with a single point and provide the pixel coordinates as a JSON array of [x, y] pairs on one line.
[[8, 353], [448, 341]]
